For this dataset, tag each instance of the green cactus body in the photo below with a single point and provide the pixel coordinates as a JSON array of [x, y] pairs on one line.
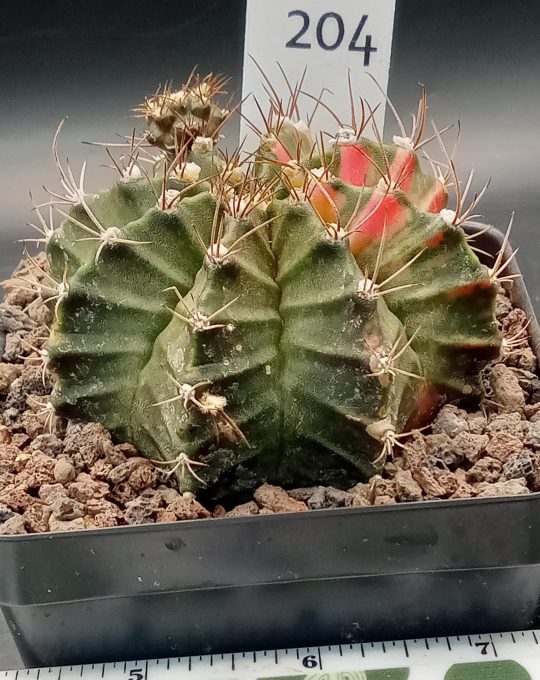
[[246, 340], [284, 371], [113, 309]]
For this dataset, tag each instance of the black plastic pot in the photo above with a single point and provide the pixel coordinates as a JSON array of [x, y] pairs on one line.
[[431, 568]]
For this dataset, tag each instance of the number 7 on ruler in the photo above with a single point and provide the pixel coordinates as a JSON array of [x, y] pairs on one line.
[[325, 38]]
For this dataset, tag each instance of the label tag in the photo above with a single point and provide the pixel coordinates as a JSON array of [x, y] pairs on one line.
[[329, 38]]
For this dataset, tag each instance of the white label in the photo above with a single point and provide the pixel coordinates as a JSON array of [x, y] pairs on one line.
[[329, 38]]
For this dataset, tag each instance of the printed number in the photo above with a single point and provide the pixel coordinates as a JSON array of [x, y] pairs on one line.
[[136, 674], [340, 31], [293, 42], [309, 661], [483, 645], [321, 33]]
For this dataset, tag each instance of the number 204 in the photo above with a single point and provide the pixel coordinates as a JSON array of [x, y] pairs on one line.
[[324, 25]]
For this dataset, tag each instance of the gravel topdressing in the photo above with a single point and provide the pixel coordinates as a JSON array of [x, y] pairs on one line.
[[58, 475]]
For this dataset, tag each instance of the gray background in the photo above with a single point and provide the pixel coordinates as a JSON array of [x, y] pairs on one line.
[[95, 61]]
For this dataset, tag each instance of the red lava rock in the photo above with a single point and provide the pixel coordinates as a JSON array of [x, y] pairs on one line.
[[510, 487], [360, 494], [303, 493], [8, 458], [477, 422], [503, 306], [123, 471], [13, 526], [102, 506], [20, 439], [101, 469], [448, 481], [515, 322], [50, 492], [100, 521], [532, 438], [471, 446], [484, 470], [384, 500], [29, 383], [390, 469], [20, 295], [378, 486], [143, 477], [6, 479], [41, 314], [86, 444], [360, 502], [66, 509], [429, 482], [123, 493], [36, 517], [5, 435], [168, 494], [450, 421], [441, 447], [166, 516], [415, 454], [66, 525], [502, 445], [337, 498], [8, 374], [48, 444], [5, 513], [187, 507], [114, 456], [521, 464], [509, 423], [64, 471], [126, 449], [40, 470], [276, 499], [463, 490], [407, 488], [244, 510], [141, 510], [218, 512], [33, 424], [317, 500], [16, 499], [506, 389], [526, 360], [86, 488]]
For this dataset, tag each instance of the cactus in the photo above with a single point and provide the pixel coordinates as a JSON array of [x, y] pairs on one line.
[[282, 320]]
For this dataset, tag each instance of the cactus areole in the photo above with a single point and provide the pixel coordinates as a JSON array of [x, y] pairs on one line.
[[284, 317]]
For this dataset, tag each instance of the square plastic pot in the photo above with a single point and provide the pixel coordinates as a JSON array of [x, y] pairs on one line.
[[303, 579]]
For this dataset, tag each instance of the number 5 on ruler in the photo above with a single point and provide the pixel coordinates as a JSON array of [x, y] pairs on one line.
[[329, 38]]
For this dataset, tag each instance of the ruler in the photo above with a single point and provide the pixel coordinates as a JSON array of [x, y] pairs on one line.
[[498, 656]]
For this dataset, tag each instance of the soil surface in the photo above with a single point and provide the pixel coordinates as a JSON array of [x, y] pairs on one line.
[[58, 475]]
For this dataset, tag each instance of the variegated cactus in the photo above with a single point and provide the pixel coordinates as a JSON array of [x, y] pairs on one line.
[[284, 319]]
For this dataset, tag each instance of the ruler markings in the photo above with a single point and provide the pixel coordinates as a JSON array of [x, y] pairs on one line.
[[320, 660], [420, 656]]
